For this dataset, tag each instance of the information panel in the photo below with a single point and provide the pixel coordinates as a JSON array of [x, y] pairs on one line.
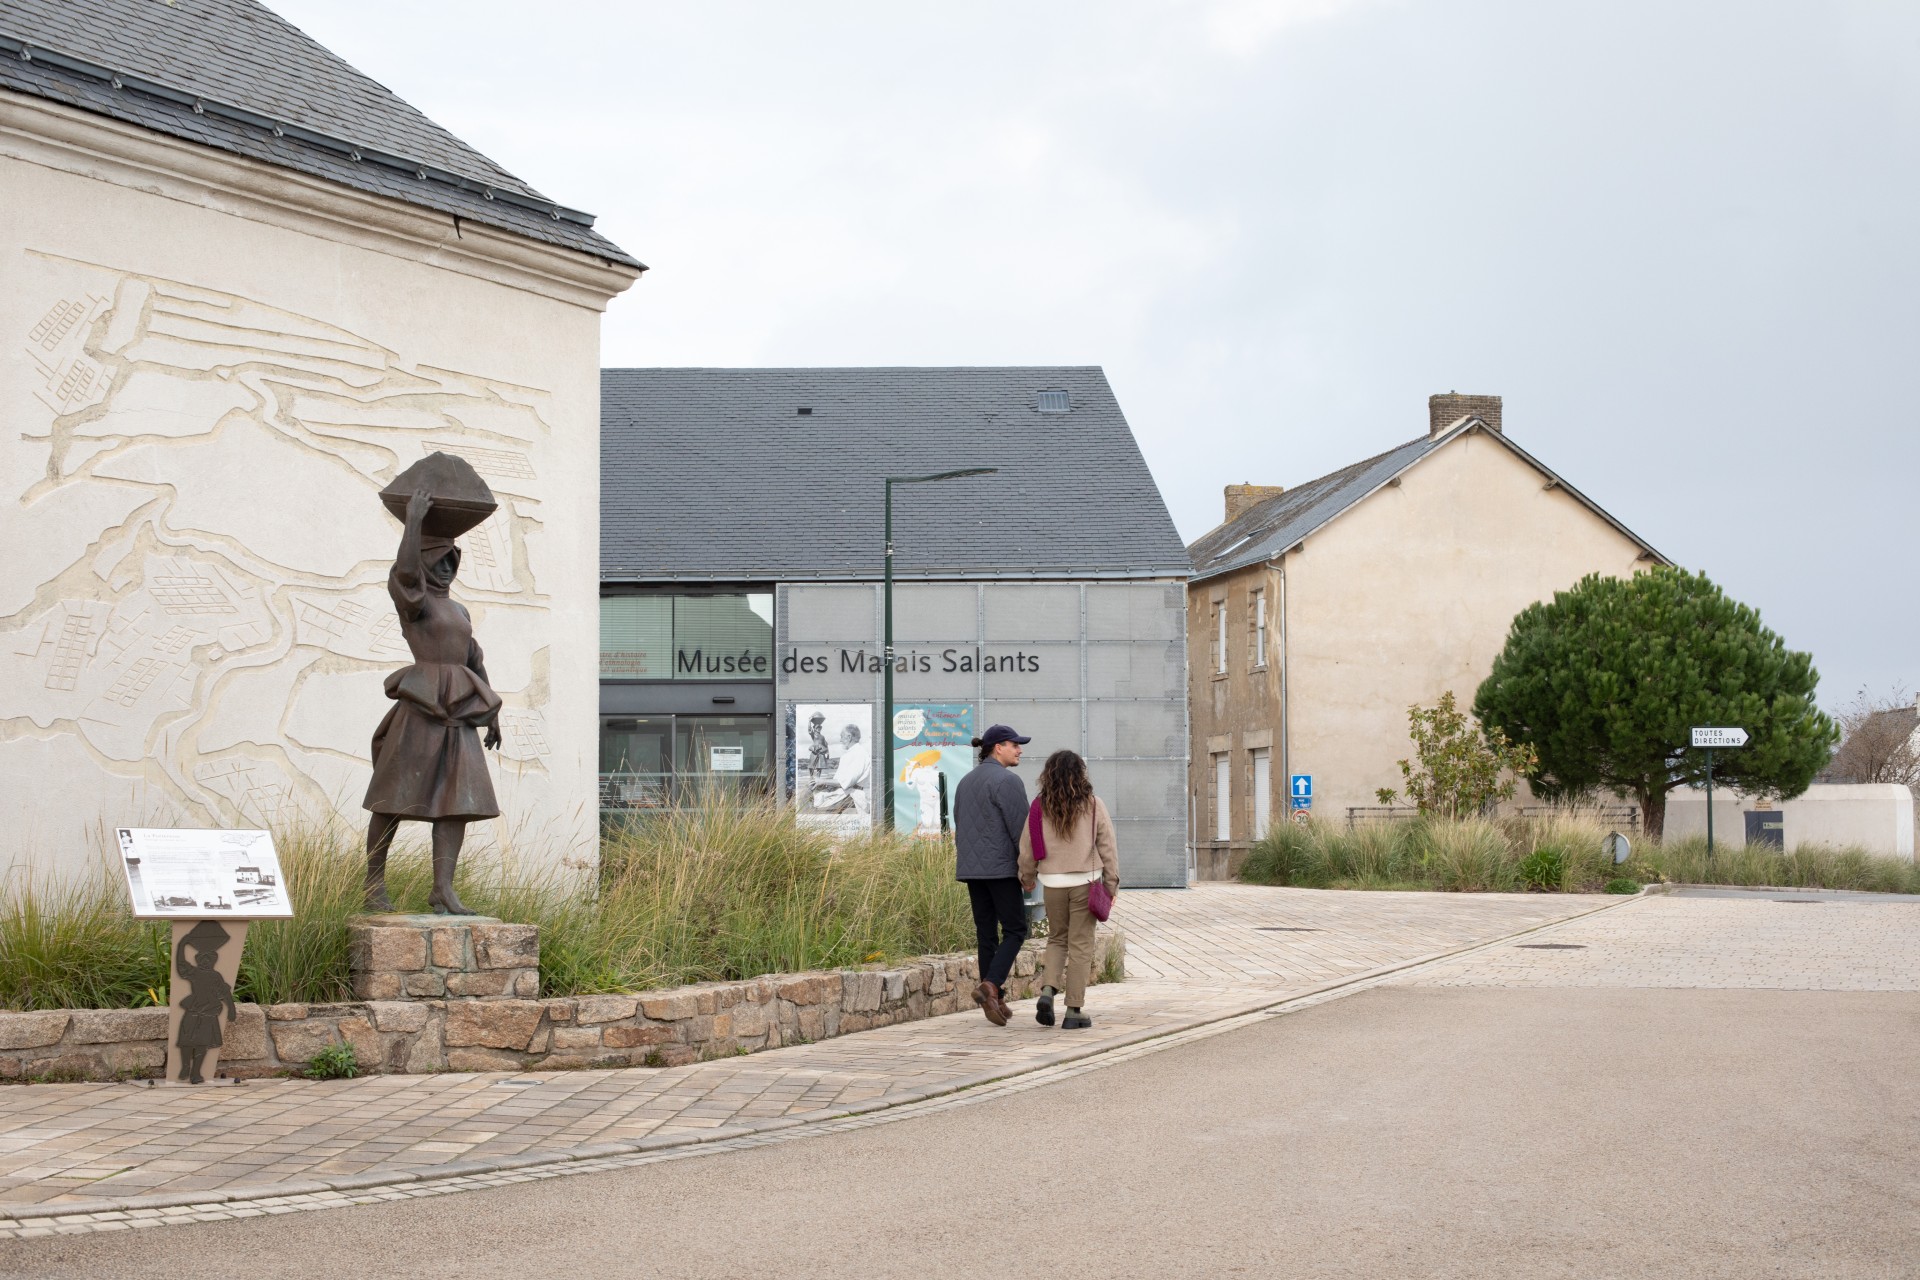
[[184, 873]]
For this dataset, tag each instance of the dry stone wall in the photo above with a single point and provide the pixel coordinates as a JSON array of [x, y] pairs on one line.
[[655, 1028]]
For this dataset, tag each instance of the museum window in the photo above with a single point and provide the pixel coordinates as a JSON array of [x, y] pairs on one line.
[[1257, 626], [713, 635]]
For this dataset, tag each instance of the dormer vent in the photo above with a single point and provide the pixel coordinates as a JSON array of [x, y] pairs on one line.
[[1054, 402]]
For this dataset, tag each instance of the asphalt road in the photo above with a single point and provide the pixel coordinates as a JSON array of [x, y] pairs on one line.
[[1399, 1132]]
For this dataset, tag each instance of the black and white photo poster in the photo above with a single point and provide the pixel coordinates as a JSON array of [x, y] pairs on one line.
[[832, 754]]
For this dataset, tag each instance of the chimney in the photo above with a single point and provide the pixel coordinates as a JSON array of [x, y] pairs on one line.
[[1242, 497], [1443, 411]]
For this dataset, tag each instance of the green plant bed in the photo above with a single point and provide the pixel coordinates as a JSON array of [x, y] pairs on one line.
[[718, 891], [1559, 855]]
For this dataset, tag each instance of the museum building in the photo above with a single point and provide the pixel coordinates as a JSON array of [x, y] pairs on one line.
[[742, 612]]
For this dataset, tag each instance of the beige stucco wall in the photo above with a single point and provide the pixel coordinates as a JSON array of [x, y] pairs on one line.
[[207, 370], [1875, 816], [1410, 594]]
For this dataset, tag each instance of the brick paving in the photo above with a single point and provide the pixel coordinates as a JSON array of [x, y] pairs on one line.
[[1197, 955], [1751, 942]]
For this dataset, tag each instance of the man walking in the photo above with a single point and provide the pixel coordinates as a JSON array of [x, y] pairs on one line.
[[989, 810]]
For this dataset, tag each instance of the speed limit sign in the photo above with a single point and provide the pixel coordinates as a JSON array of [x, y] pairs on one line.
[[1303, 816]]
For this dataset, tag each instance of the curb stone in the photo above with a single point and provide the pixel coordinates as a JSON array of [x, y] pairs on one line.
[[18, 1221]]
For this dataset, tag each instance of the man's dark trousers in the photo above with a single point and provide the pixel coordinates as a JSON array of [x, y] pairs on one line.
[[1000, 922]]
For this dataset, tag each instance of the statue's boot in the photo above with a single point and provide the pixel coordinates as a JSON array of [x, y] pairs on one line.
[[377, 900], [443, 899]]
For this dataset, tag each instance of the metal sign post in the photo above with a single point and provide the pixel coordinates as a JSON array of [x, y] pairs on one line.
[[1707, 739]]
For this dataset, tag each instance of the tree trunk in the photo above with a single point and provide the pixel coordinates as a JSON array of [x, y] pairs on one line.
[[1653, 813]]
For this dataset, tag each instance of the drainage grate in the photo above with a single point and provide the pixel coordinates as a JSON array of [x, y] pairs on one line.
[[1553, 946], [1283, 928]]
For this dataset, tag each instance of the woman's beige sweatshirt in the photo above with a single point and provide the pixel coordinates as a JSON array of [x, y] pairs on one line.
[[1088, 847]]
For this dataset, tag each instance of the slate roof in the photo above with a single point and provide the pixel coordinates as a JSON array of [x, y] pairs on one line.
[[265, 90], [1269, 528], [713, 474]]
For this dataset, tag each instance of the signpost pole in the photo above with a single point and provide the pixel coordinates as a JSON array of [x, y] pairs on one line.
[[1709, 804], [886, 708]]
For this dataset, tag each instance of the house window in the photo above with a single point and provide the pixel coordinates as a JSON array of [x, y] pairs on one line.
[[1222, 798], [1257, 617], [1220, 637], [1262, 788]]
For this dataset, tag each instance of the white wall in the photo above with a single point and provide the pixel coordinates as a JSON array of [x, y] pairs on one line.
[[205, 380], [1877, 817]]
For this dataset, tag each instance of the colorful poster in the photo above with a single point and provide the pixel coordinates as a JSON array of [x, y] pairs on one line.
[[830, 750], [932, 751]]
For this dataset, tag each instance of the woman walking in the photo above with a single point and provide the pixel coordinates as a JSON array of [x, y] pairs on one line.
[[1067, 845]]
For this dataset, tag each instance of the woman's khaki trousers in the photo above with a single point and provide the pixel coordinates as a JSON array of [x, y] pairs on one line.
[[1069, 941]]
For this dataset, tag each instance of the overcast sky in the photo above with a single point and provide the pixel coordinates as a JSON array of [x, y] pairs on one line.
[[1681, 239]]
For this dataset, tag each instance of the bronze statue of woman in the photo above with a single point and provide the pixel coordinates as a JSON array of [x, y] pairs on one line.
[[428, 765]]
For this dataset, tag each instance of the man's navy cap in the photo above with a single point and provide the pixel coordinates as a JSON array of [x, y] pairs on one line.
[[1001, 733]]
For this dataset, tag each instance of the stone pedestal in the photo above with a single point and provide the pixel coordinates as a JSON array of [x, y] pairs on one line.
[[435, 957]]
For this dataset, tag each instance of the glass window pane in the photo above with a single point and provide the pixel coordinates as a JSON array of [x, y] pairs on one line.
[[636, 762], [731, 752], [726, 637], [636, 637]]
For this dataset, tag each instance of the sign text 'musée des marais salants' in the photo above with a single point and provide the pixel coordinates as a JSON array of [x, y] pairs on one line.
[[848, 661]]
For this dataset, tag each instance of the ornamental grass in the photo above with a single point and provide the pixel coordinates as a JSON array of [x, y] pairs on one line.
[[716, 891], [1559, 853]]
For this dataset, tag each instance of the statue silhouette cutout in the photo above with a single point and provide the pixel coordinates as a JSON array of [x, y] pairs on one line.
[[207, 994], [428, 765]]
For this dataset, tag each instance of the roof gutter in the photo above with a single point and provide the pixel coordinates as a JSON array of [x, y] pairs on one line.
[[199, 104]]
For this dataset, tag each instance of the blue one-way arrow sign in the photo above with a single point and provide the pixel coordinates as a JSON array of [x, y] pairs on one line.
[[1302, 790]]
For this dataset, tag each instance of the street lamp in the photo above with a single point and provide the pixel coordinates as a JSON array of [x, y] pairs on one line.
[[886, 712]]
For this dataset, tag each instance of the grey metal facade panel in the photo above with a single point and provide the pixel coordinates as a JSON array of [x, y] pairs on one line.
[[240, 54], [713, 474], [1132, 731]]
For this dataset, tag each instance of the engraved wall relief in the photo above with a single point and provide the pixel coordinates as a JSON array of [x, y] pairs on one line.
[[197, 603]]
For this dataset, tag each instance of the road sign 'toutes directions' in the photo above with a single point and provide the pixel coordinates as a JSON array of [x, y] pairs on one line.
[[1704, 737]]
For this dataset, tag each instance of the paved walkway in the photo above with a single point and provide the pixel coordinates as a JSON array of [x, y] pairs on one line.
[[1751, 941], [1194, 956]]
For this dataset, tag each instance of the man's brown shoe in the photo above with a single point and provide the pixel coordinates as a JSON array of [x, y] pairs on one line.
[[991, 1004]]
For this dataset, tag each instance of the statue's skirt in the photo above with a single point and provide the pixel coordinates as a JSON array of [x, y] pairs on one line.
[[427, 759]]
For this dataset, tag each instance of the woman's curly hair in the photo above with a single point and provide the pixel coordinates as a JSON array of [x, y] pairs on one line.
[[1065, 790]]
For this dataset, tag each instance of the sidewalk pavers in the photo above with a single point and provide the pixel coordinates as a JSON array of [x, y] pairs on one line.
[[1194, 955], [1752, 942]]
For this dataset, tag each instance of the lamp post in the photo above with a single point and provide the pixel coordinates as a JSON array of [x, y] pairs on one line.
[[886, 711]]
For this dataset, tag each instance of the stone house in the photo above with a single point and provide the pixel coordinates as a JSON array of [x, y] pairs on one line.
[[1318, 613], [244, 286]]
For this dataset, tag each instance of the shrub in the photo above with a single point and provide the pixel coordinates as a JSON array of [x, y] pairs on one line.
[[335, 1062], [1543, 869], [1620, 884], [1459, 768]]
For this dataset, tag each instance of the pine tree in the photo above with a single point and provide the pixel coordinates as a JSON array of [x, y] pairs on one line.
[[1606, 681]]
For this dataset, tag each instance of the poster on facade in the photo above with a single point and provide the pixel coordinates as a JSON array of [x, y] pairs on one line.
[[191, 874], [932, 744], [830, 749]]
